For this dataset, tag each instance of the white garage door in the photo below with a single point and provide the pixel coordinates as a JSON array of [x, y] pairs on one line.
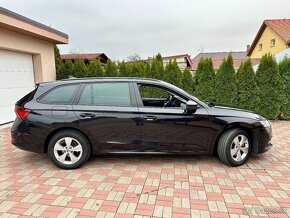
[[16, 80]]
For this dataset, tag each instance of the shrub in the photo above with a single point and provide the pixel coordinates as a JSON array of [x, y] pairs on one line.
[[248, 91], [271, 87]]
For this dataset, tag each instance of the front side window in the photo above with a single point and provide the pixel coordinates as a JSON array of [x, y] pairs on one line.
[[106, 94], [61, 94], [155, 96]]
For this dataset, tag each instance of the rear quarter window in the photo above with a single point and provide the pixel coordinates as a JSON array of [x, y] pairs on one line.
[[60, 95]]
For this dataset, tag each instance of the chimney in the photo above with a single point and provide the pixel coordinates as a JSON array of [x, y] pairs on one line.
[[248, 48]]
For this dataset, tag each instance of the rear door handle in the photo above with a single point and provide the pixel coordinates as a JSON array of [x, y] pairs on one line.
[[150, 118], [87, 115]]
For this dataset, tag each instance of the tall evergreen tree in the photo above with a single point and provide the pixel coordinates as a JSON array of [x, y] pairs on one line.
[[226, 84], [111, 69], [271, 87], [247, 88], [205, 80], [147, 70], [157, 68], [284, 69], [137, 69], [95, 69], [124, 69], [173, 74], [80, 69], [67, 69], [187, 81], [58, 64]]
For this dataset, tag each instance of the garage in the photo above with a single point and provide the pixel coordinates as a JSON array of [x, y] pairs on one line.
[[26, 58], [17, 79]]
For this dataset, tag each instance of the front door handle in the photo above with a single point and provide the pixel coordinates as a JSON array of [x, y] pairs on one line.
[[87, 115], [150, 118]]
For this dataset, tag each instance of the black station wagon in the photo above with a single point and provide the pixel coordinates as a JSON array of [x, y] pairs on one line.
[[77, 118]]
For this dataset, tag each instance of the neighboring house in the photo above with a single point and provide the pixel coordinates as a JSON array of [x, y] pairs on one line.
[[183, 61], [273, 36], [218, 57], [87, 58], [26, 58], [279, 57]]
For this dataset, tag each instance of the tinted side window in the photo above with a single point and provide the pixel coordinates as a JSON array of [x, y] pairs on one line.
[[106, 94], [62, 94]]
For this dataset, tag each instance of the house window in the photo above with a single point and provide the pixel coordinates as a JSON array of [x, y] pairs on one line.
[[260, 46], [273, 41]]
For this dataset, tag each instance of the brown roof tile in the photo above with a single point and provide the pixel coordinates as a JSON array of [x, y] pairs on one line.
[[218, 57], [88, 56], [280, 26]]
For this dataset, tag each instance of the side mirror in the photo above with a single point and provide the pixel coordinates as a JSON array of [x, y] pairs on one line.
[[191, 107]]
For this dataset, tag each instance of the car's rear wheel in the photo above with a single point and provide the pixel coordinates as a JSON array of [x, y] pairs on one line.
[[69, 149], [234, 147]]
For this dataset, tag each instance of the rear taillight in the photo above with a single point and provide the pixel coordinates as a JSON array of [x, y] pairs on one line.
[[22, 113]]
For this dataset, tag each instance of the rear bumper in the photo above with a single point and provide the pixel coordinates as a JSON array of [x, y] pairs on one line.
[[24, 139]]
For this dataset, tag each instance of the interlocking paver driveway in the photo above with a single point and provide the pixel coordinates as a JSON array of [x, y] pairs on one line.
[[153, 186]]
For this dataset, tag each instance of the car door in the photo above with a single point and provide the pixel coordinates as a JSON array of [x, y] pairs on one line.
[[171, 129], [108, 111]]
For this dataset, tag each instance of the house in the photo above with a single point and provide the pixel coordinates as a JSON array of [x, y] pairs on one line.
[[273, 36], [183, 60], [26, 58], [218, 57], [86, 57]]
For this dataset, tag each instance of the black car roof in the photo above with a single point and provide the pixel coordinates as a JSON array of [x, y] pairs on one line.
[[92, 79]]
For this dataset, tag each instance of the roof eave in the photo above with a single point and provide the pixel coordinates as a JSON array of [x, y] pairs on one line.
[[17, 23]]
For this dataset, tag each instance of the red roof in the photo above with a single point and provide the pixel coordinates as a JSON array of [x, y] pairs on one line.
[[218, 57], [280, 26]]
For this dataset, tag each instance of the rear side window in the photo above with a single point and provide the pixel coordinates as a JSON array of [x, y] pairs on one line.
[[61, 94], [106, 94]]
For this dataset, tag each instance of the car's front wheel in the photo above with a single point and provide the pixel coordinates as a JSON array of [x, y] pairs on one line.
[[234, 147], [68, 149]]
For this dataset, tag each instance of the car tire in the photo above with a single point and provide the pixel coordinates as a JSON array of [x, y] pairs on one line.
[[69, 149], [234, 147]]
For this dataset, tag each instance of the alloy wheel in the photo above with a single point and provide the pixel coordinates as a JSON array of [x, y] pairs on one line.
[[68, 150], [239, 147]]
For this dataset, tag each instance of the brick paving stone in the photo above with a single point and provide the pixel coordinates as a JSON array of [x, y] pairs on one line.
[[146, 186]]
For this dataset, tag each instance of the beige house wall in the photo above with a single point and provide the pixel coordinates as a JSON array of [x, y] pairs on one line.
[[42, 51]]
